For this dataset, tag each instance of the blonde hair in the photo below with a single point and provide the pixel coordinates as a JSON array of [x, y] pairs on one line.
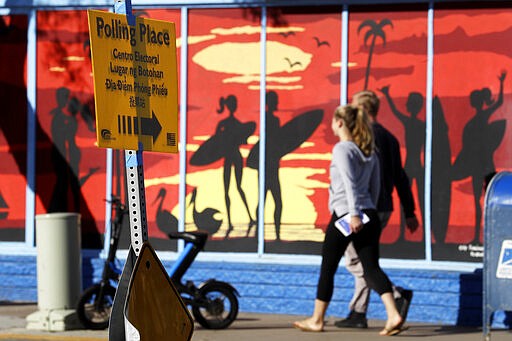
[[358, 124], [369, 101]]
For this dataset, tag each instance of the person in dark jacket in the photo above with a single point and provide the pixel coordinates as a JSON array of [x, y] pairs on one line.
[[353, 191], [392, 176]]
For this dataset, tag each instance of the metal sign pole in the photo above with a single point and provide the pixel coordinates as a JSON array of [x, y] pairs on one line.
[[138, 222], [136, 198], [134, 171]]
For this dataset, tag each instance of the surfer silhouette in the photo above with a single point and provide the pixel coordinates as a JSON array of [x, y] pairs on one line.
[[272, 183], [232, 127], [414, 139], [480, 139], [279, 141], [229, 136]]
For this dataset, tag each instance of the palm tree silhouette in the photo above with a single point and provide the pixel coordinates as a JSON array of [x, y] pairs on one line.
[[375, 30]]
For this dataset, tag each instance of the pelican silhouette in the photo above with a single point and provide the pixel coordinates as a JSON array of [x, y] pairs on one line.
[[205, 220], [165, 221]]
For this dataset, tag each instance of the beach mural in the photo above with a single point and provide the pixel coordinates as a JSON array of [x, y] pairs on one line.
[[224, 126], [469, 115], [387, 53]]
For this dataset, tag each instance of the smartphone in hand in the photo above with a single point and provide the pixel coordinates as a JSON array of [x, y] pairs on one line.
[[343, 223]]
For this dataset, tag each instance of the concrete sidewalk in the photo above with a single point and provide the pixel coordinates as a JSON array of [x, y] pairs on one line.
[[248, 327]]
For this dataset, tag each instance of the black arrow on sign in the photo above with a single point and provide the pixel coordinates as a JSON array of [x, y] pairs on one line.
[[150, 126]]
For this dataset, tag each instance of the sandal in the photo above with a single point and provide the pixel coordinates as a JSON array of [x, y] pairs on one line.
[[394, 330]]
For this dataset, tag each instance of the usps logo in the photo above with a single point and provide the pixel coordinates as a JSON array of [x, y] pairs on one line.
[[505, 262]]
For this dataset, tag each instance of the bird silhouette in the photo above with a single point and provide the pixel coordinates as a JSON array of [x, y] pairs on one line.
[[292, 64], [165, 221], [286, 34], [205, 220], [321, 42]]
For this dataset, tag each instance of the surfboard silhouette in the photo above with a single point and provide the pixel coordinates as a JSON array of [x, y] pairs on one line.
[[441, 163], [216, 147], [288, 137], [490, 141]]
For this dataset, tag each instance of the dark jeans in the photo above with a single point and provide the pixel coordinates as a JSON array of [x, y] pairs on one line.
[[366, 243]]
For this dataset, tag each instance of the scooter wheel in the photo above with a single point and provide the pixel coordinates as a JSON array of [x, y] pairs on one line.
[[218, 307], [94, 311]]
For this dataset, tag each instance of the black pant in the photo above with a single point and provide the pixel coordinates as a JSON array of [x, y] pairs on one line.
[[366, 243]]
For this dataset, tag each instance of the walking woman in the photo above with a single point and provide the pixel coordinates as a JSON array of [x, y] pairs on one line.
[[354, 189]]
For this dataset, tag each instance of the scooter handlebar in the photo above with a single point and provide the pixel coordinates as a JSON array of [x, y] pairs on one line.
[[195, 237]]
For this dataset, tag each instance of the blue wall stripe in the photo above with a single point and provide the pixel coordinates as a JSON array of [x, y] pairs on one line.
[[447, 297]]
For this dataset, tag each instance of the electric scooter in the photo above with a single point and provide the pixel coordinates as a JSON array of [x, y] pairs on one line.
[[214, 304]]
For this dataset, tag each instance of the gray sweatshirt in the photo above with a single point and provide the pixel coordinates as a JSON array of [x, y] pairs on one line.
[[355, 179]]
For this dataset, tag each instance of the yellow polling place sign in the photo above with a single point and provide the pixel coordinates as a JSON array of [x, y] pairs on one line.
[[135, 82]]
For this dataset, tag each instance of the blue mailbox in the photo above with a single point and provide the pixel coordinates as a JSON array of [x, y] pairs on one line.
[[497, 249]]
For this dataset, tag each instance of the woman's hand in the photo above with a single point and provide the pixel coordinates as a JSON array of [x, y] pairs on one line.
[[356, 224]]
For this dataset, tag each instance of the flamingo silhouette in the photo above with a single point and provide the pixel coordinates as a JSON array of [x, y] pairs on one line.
[[205, 220], [165, 221]]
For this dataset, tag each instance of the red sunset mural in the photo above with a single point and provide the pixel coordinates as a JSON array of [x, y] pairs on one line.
[[387, 53]]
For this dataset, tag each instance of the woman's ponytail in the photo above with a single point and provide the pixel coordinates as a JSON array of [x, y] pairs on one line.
[[358, 124], [222, 103], [363, 134], [229, 102]]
